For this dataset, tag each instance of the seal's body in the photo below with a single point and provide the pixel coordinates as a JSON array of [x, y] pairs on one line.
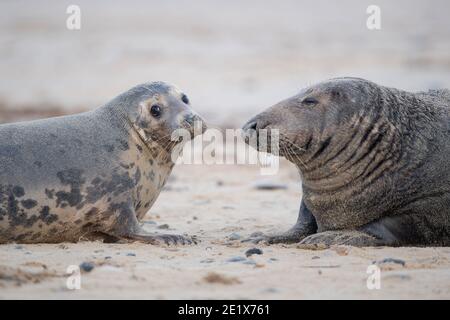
[[374, 162], [91, 174]]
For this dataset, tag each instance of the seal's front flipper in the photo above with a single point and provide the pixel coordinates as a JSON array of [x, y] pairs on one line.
[[293, 235], [127, 228], [350, 238], [139, 234], [153, 238], [305, 226]]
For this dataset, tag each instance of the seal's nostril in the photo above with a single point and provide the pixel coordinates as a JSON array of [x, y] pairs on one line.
[[252, 125], [190, 118]]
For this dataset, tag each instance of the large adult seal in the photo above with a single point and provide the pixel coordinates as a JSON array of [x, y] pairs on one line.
[[92, 174], [374, 162]]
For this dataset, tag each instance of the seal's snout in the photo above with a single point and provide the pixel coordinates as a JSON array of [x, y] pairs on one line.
[[259, 122], [195, 123], [191, 118], [250, 131], [251, 125]]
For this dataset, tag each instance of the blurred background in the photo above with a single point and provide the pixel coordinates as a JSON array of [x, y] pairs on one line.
[[233, 58]]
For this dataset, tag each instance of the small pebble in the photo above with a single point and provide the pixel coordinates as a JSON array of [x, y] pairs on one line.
[[236, 259], [163, 226], [253, 251], [207, 261], [256, 234], [131, 254], [390, 260], [87, 266], [268, 185], [271, 290], [18, 247], [234, 236]]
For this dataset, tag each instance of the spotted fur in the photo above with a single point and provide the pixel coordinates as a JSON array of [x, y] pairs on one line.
[[95, 173]]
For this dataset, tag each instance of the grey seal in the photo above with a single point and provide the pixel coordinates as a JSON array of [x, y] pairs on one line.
[[94, 174], [374, 163]]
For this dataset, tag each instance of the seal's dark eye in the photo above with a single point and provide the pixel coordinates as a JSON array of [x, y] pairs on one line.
[[310, 101], [155, 111], [185, 99]]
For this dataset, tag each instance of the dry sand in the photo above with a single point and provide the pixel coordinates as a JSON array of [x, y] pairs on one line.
[[214, 202]]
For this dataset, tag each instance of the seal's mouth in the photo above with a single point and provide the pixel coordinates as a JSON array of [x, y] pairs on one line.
[[270, 140], [263, 139]]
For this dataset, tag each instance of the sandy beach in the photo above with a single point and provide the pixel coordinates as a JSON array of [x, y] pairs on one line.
[[226, 203], [233, 59]]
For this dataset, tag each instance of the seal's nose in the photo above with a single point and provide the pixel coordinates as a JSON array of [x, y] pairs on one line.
[[251, 125], [250, 132], [196, 123], [190, 118]]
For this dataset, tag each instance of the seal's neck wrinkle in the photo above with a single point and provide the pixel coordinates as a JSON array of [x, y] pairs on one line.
[[159, 147], [357, 161], [359, 151], [387, 139]]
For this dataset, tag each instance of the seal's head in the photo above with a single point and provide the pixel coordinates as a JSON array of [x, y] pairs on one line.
[[157, 110], [317, 117]]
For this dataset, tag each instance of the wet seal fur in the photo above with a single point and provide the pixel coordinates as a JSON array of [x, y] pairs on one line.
[[374, 163], [93, 174]]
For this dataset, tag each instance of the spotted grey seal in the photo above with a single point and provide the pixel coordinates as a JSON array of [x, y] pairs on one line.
[[374, 163], [91, 174]]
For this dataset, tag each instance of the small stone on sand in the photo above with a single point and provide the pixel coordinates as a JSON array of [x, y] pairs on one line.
[[269, 185], [234, 236], [236, 259], [390, 260], [87, 266], [253, 251], [214, 277]]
